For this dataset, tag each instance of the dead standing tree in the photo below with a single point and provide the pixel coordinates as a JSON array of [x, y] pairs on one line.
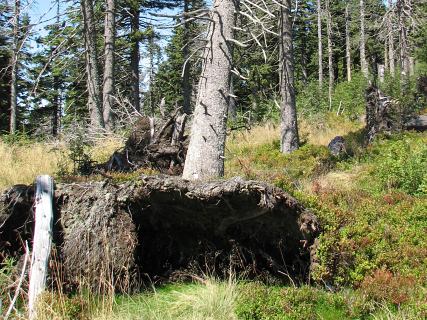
[[92, 70], [289, 128], [14, 65], [205, 156], [109, 46]]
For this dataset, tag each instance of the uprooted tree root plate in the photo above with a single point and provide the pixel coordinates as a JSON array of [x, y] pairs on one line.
[[160, 224]]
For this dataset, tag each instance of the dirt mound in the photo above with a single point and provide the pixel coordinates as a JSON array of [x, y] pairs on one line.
[[160, 224]]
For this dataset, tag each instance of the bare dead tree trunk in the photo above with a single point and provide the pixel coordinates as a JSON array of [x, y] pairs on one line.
[[347, 43], [92, 70], [363, 63], [56, 103], [390, 32], [186, 85], [319, 37], [403, 39], [109, 44], [134, 57], [289, 127], [205, 156], [304, 59], [330, 53], [14, 65], [151, 53], [386, 64]]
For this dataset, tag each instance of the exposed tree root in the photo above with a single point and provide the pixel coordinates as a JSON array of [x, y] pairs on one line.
[[118, 234]]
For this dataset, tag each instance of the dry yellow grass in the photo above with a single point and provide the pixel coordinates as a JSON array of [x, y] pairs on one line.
[[316, 133], [22, 163], [257, 136], [322, 132]]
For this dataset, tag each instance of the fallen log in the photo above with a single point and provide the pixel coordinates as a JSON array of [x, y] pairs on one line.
[[113, 234], [418, 123]]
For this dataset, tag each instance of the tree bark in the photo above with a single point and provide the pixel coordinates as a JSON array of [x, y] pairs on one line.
[[92, 70], [56, 103], [14, 65], [205, 156], [347, 43], [386, 64], [319, 36], [186, 85], [403, 39], [363, 63], [134, 57], [109, 44], [391, 58], [289, 128], [330, 54]]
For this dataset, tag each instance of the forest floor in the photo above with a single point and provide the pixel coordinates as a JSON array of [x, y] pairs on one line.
[[372, 203]]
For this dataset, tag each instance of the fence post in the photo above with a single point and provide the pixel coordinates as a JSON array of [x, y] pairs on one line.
[[42, 241]]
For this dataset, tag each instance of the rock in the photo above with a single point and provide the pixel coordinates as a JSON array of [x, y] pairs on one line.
[[160, 224], [337, 146]]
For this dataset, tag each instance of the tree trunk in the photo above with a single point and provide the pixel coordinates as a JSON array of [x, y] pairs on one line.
[[304, 73], [108, 85], [289, 128], [151, 53], [92, 70], [347, 43], [319, 36], [186, 85], [14, 65], [205, 156], [330, 53], [134, 57], [363, 63], [391, 58], [56, 103], [403, 39], [386, 64], [56, 106]]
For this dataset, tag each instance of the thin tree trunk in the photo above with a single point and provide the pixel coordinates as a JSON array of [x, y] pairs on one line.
[[151, 53], [386, 64], [330, 53], [289, 127], [391, 58], [205, 156], [92, 70], [14, 71], [403, 40], [304, 58], [347, 43], [363, 63], [319, 36], [186, 85], [56, 103], [134, 57], [55, 106], [232, 111], [108, 85]]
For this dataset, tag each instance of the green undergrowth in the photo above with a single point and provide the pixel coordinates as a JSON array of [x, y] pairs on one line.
[[231, 300], [372, 204]]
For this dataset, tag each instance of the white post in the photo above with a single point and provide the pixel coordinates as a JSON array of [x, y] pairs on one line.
[[42, 241]]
